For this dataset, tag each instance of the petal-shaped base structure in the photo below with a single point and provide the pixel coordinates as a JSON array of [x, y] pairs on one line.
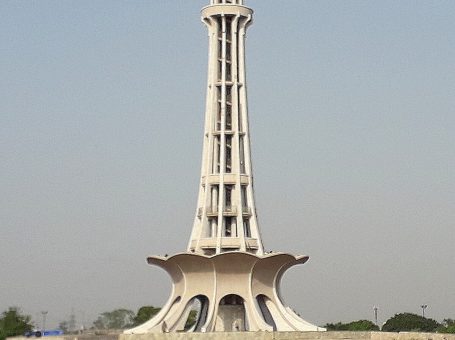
[[236, 291]]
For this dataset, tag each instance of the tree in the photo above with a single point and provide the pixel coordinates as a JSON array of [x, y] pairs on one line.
[[336, 326], [13, 322], [64, 326], [144, 314], [191, 319], [360, 325], [117, 319], [448, 326], [410, 322]]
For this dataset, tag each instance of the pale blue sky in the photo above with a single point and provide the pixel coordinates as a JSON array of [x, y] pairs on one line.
[[352, 109]]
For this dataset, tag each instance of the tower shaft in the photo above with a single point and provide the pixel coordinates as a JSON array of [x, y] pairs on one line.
[[226, 215]]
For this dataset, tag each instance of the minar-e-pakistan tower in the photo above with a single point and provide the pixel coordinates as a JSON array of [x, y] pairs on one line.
[[225, 271]]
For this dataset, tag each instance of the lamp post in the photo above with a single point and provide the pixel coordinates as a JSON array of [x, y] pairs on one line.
[[423, 309], [375, 309], [44, 313]]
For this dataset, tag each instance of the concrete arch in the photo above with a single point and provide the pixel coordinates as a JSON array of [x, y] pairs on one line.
[[202, 313], [262, 301], [231, 316]]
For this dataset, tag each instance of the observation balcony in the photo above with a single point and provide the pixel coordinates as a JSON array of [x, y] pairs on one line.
[[246, 211], [226, 9], [229, 178], [226, 243], [228, 211]]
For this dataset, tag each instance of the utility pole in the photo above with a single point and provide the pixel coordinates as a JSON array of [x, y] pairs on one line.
[[44, 313], [375, 309], [423, 309], [72, 321]]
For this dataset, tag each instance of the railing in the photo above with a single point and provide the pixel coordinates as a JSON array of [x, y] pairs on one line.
[[246, 211], [228, 210], [212, 211]]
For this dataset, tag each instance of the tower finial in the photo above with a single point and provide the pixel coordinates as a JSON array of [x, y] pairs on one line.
[[226, 2]]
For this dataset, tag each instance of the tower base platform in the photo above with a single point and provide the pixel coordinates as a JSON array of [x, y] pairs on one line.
[[229, 292], [259, 336], [293, 336]]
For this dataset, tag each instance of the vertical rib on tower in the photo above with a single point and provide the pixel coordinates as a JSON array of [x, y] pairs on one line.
[[226, 216]]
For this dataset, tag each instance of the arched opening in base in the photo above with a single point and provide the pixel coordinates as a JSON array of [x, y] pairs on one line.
[[197, 317], [231, 315], [266, 314]]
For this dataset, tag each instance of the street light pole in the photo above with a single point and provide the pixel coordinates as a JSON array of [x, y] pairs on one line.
[[375, 309], [423, 309], [44, 312]]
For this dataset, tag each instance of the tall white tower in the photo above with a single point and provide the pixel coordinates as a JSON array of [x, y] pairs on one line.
[[226, 215], [225, 272]]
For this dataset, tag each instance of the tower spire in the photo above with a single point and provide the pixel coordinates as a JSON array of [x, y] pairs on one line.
[[226, 215]]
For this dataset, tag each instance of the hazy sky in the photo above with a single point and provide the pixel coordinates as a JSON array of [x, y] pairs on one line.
[[352, 109]]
